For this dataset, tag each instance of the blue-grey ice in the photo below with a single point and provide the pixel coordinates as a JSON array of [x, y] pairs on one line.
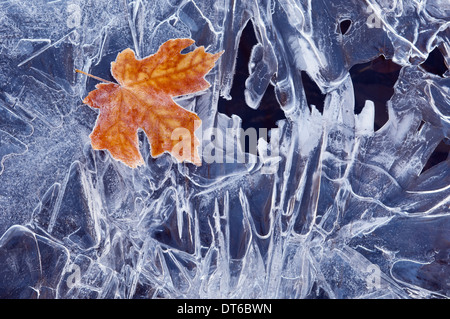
[[329, 207]]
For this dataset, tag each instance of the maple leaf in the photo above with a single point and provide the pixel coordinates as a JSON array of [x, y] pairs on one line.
[[142, 99]]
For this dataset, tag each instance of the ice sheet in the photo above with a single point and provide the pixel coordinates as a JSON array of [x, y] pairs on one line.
[[329, 207]]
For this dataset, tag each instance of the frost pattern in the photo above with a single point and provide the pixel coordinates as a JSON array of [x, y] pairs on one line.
[[348, 213]]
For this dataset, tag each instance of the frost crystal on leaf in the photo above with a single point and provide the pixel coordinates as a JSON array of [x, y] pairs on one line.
[[143, 100]]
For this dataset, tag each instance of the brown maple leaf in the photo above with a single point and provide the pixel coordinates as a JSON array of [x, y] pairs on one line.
[[142, 99]]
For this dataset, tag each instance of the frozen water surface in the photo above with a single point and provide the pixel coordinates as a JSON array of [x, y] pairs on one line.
[[347, 197]]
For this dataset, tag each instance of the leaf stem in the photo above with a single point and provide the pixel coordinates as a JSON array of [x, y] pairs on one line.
[[93, 76]]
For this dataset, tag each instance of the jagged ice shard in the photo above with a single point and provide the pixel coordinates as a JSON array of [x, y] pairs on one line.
[[330, 206]]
